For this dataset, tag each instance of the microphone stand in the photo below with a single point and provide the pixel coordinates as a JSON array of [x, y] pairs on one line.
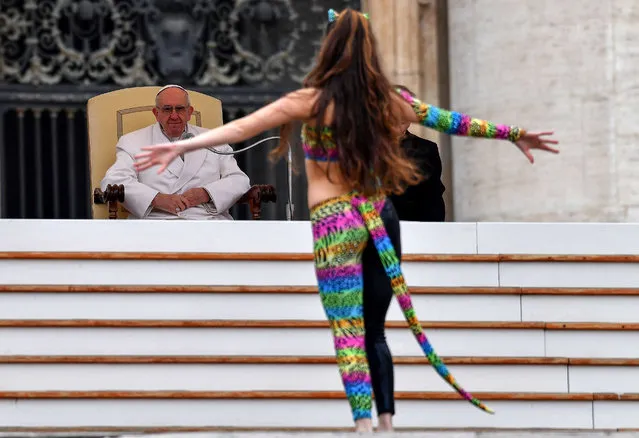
[[290, 207]]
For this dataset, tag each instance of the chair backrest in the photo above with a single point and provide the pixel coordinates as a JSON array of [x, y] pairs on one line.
[[111, 115]]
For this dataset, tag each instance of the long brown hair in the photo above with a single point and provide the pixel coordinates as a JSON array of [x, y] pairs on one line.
[[348, 75]]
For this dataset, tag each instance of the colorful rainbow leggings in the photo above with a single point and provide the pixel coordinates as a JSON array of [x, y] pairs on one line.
[[340, 235], [341, 230]]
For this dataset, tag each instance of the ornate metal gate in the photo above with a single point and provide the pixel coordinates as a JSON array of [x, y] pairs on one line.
[[56, 54]]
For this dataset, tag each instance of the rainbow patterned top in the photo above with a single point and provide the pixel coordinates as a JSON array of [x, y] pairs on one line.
[[449, 122], [311, 145]]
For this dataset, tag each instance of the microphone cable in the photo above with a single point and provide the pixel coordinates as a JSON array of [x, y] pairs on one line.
[[288, 176], [212, 148]]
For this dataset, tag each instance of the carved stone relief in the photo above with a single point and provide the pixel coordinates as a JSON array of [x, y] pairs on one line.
[[143, 42]]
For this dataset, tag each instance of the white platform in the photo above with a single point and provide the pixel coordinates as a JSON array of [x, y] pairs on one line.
[[507, 341], [295, 237]]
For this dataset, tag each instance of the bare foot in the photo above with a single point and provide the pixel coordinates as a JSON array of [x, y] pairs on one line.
[[364, 425], [385, 423]]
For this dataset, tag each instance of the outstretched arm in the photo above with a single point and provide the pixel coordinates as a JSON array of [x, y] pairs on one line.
[[294, 106], [455, 123]]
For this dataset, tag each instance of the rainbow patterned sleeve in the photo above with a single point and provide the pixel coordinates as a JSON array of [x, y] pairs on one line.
[[454, 123]]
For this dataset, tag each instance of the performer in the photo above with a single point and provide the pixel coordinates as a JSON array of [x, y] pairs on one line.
[[351, 117]]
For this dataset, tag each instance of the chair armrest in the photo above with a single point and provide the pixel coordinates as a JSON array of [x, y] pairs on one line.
[[112, 195], [255, 196]]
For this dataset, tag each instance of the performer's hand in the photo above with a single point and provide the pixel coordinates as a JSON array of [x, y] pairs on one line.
[[196, 196], [161, 154], [531, 140]]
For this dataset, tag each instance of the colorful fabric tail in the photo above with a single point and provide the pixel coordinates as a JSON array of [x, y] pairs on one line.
[[391, 264]]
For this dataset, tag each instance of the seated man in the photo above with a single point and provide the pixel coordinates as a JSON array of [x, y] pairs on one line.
[[423, 202], [200, 185]]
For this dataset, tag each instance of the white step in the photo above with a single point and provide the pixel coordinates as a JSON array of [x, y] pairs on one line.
[[320, 432], [556, 238], [237, 305], [310, 413], [211, 236], [296, 237], [568, 274], [580, 308], [289, 270], [270, 377], [424, 433], [258, 341], [223, 272], [313, 374], [472, 341]]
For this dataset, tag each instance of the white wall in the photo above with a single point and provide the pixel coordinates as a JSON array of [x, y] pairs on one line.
[[569, 66]]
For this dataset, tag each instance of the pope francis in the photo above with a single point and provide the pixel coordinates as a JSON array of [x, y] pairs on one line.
[[200, 185]]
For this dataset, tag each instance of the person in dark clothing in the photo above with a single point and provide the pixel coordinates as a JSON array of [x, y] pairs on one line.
[[423, 202]]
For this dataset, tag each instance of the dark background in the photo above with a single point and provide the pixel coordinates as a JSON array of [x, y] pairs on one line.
[[56, 54]]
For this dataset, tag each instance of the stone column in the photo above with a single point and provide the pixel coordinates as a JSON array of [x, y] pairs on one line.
[[433, 62], [411, 36], [382, 15]]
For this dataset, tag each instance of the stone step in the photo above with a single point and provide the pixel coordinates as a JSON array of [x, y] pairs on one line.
[[311, 338], [296, 269], [289, 373], [302, 303], [310, 433], [127, 409]]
